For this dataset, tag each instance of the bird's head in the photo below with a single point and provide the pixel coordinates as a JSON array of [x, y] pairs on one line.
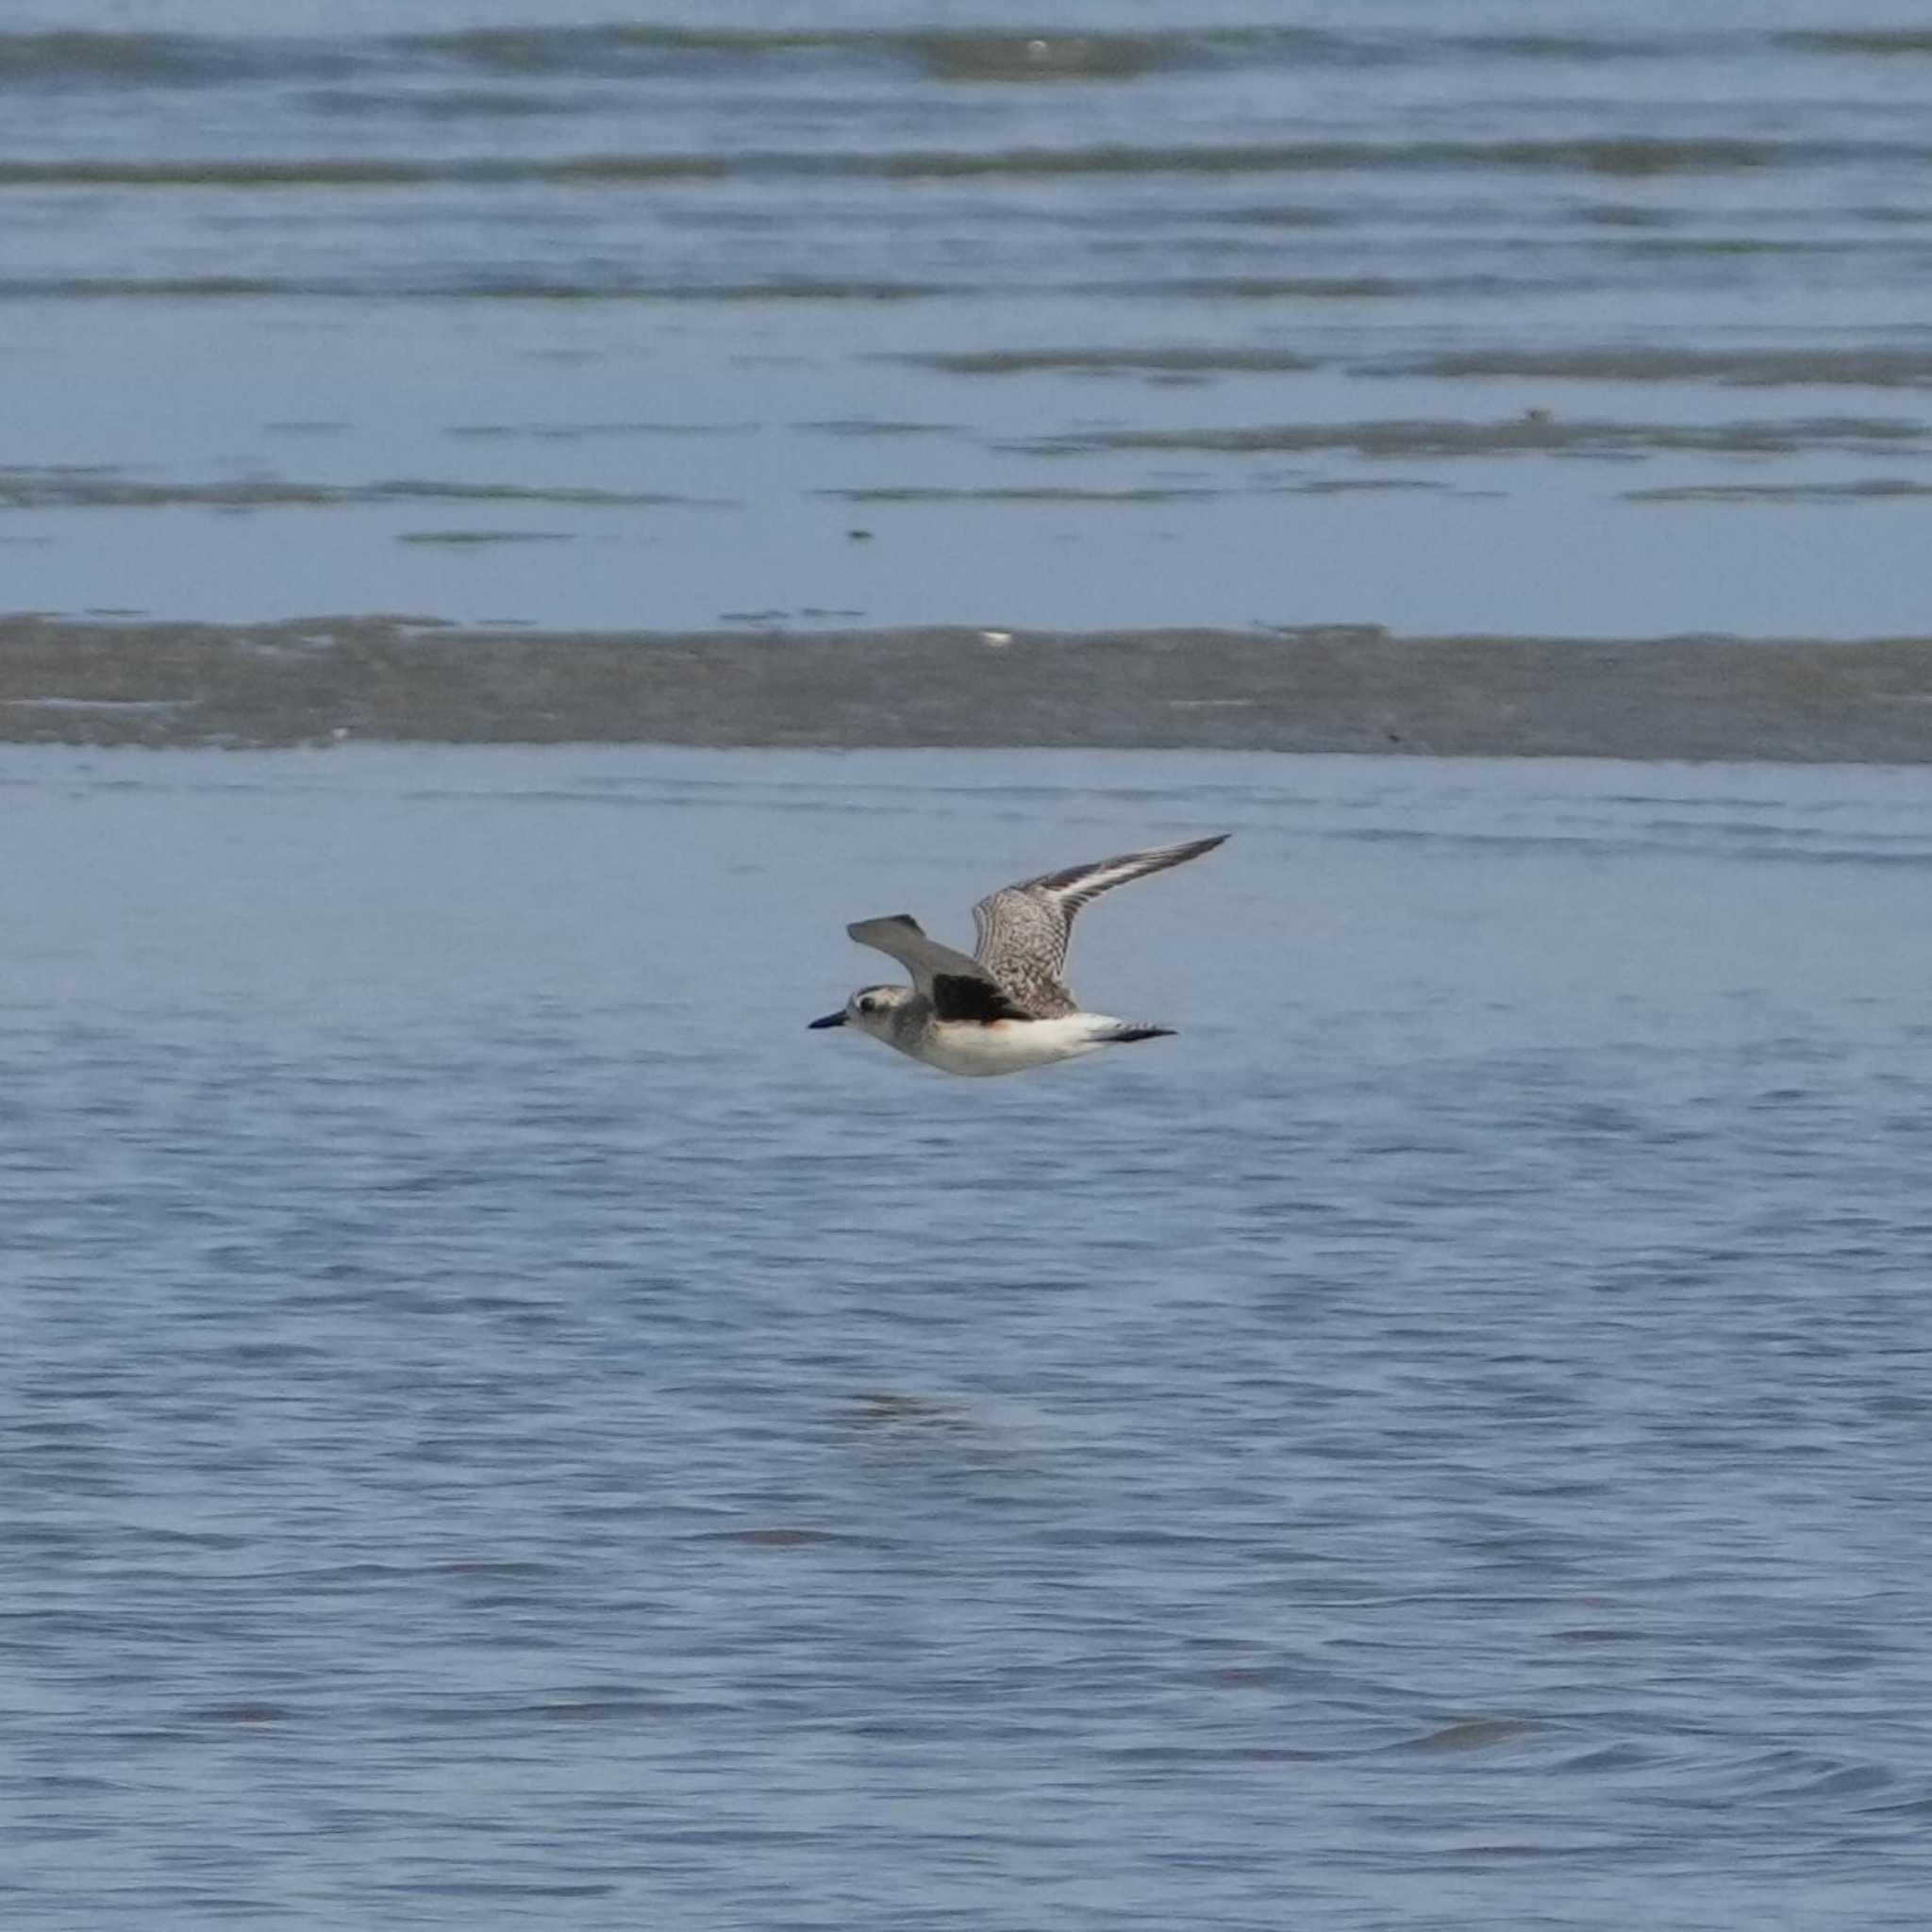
[[870, 1009]]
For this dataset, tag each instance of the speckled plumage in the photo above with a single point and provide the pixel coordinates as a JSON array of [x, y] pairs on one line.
[[1024, 929], [1006, 1009]]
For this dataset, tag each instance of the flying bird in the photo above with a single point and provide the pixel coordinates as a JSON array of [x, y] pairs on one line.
[[1006, 1008]]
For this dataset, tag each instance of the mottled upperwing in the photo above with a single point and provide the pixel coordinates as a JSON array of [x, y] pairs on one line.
[[1024, 929]]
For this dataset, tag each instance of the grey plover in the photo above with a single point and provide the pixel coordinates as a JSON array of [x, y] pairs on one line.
[[1006, 1008]]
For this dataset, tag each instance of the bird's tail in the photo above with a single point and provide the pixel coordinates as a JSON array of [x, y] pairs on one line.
[[1120, 1031]]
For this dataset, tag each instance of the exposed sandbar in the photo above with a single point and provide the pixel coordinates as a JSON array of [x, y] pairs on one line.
[[1330, 689]]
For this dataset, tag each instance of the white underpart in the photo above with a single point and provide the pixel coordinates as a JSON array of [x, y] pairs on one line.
[[1010, 1046]]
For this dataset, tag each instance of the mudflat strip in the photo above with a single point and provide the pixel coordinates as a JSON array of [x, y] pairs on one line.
[[1322, 688]]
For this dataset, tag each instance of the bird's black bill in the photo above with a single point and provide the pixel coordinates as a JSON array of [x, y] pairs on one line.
[[836, 1019]]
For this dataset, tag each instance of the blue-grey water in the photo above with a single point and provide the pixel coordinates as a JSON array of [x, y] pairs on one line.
[[1498, 315], [502, 1427]]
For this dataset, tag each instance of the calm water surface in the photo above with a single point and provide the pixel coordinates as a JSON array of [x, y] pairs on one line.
[[1467, 314], [502, 1427]]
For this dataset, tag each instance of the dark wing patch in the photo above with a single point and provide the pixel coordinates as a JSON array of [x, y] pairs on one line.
[[960, 997], [1023, 943], [958, 988]]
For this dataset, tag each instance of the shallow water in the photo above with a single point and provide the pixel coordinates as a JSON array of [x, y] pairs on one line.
[[501, 1424], [1443, 318]]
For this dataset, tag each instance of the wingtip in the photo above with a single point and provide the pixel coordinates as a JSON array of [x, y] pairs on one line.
[[904, 921], [1187, 849], [1193, 848]]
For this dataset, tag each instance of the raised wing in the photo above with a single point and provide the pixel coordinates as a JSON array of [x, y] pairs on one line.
[[958, 988], [1024, 929]]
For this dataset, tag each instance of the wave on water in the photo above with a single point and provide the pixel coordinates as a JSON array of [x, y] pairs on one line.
[[1633, 157], [1888, 368], [620, 51], [605, 284], [84, 60], [911, 493], [1873, 490], [1741, 368], [1881, 41], [1535, 431], [1176, 359], [81, 486]]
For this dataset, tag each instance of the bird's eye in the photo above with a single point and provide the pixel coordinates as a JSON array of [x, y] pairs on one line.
[[868, 1004]]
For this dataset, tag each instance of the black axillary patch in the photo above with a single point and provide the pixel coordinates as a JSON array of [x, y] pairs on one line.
[[955, 997]]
